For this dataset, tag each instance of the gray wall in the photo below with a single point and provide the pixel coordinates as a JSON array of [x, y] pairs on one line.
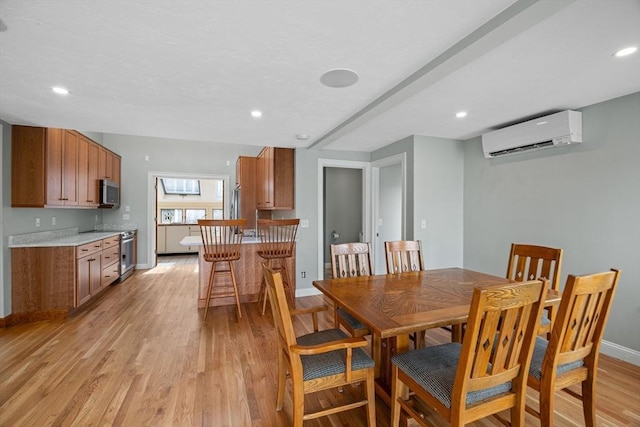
[[583, 198]]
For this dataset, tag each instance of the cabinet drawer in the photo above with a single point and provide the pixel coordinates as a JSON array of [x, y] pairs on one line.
[[110, 255], [88, 248], [110, 274], [111, 241]]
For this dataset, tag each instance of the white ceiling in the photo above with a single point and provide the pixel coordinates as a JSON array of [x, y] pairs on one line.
[[194, 70]]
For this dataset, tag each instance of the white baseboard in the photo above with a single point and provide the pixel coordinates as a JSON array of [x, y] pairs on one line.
[[619, 352], [307, 292]]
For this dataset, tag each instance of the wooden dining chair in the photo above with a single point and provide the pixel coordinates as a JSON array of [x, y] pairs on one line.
[[277, 243], [317, 361], [222, 240], [403, 255], [484, 375], [352, 260], [571, 355], [529, 262]]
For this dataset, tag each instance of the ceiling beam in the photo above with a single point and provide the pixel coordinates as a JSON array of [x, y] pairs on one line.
[[514, 20]]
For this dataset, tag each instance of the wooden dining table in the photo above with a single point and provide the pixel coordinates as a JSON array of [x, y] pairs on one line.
[[393, 306]]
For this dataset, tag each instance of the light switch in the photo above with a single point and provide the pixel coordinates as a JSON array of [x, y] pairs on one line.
[[423, 224], [127, 208]]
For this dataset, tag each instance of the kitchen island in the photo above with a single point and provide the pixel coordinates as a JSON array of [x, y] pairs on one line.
[[248, 271]]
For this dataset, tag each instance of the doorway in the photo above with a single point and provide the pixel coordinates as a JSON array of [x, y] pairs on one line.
[[330, 209], [389, 189]]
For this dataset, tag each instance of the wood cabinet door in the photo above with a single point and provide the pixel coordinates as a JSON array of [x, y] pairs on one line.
[[161, 240], [88, 184], [54, 153], [95, 273], [70, 168], [175, 233], [83, 282]]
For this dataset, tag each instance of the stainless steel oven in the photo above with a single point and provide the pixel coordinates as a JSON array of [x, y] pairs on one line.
[[127, 254]]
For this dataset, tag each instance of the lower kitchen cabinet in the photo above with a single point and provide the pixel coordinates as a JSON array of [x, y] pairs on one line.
[[48, 282], [169, 237]]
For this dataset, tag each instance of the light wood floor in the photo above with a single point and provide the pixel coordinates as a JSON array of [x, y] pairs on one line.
[[141, 356]]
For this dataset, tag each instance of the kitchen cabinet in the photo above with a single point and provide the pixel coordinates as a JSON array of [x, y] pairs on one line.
[[161, 239], [109, 165], [246, 189], [173, 234], [50, 281], [57, 168], [110, 261], [88, 184], [275, 178]]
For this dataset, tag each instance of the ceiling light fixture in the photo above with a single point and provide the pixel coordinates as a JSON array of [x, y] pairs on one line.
[[256, 114], [60, 90], [339, 77], [461, 114], [302, 137], [625, 51]]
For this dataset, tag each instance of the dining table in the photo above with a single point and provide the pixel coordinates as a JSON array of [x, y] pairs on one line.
[[393, 306]]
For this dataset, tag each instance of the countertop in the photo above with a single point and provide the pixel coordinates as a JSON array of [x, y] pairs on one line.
[[64, 237], [197, 240]]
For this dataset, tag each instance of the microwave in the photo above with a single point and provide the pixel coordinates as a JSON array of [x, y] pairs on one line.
[[109, 194]]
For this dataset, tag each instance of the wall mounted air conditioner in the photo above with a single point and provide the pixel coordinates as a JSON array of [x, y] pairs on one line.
[[554, 130]]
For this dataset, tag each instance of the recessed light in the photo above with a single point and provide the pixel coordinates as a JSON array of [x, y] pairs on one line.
[[626, 51], [339, 77], [257, 114], [461, 114], [60, 90]]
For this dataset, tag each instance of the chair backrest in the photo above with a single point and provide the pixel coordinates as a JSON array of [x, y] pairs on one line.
[[499, 339], [277, 237], [351, 259], [529, 262], [403, 255], [279, 307], [221, 238], [581, 320]]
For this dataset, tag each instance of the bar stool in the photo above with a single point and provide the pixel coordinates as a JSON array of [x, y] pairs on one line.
[[221, 240], [277, 239]]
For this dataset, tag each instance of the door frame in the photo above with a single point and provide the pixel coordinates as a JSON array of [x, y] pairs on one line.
[[152, 177], [366, 202], [400, 158]]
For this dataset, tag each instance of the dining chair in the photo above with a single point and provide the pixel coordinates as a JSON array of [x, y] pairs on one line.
[[403, 255], [277, 242], [570, 356], [221, 241], [317, 361], [352, 260], [484, 375], [529, 262]]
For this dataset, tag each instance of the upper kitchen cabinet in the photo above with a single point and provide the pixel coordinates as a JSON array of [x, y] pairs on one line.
[[275, 178], [56, 168], [88, 185], [245, 196], [109, 165]]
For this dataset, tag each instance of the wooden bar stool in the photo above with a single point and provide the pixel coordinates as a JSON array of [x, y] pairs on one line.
[[277, 240], [222, 241]]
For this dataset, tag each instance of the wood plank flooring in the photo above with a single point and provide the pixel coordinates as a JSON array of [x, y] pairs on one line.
[[141, 356]]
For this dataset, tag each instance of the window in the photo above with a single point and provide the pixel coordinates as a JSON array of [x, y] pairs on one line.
[[193, 215], [171, 216], [217, 214], [180, 186]]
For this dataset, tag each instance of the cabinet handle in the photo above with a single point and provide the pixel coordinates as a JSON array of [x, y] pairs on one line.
[[66, 198], [85, 250]]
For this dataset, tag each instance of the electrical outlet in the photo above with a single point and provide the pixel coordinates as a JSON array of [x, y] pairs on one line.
[[304, 223], [125, 217], [96, 218], [303, 274], [53, 220], [37, 222]]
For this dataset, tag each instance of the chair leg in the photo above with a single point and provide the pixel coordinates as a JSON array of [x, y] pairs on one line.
[[547, 395], [235, 289], [397, 388], [588, 402], [298, 404], [371, 399], [209, 289], [264, 295], [282, 378]]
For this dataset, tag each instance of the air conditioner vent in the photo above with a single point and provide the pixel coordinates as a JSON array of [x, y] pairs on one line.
[[549, 131]]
